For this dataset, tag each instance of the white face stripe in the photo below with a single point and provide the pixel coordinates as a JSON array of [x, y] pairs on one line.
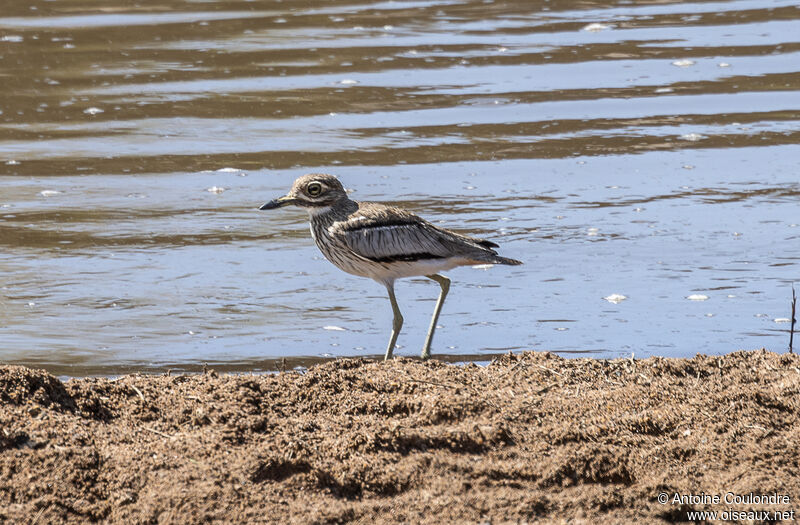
[[313, 211]]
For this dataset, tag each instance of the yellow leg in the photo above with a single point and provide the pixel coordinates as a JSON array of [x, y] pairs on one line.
[[397, 322], [444, 282]]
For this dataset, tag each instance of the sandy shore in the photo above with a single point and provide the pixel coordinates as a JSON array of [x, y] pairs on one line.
[[530, 438]]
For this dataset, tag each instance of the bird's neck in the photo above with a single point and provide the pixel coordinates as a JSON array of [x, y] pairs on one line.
[[315, 212], [337, 210]]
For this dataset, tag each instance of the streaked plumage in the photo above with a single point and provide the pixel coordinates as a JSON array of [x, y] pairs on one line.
[[382, 242]]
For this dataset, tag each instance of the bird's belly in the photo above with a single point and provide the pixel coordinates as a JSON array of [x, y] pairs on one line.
[[387, 271], [399, 269]]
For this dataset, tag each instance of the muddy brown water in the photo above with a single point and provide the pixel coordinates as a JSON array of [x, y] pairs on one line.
[[639, 149]]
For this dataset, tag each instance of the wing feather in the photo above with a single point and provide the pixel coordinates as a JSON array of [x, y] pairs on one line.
[[388, 234], [391, 242]]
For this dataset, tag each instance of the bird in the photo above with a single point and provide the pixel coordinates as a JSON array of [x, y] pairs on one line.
[[383, 243]]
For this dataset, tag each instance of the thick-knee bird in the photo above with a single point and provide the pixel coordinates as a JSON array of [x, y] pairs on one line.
[[383, 243]]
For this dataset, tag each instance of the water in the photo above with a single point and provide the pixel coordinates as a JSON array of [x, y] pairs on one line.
[[647, 150]]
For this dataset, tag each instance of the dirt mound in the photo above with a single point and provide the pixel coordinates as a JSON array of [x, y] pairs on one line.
[[532, 437], [20, 385]]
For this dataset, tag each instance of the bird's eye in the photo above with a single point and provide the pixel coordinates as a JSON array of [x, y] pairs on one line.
[[314, 189]]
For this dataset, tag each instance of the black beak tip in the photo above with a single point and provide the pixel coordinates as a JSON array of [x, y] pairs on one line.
[[269, 206]]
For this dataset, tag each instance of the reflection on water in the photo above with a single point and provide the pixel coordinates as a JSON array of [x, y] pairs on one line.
[[634, 149]]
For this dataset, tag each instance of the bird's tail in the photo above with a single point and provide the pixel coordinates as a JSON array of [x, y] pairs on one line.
[[485, 252]]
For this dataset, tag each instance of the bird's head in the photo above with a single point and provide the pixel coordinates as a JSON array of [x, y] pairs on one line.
[[314, 192]]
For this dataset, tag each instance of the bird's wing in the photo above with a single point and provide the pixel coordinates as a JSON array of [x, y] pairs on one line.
[[390, 237]]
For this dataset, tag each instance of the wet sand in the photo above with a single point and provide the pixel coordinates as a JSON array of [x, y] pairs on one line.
[[530, 438]]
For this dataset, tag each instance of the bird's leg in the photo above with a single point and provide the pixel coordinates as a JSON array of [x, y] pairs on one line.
[[397, 322], [444, 282]]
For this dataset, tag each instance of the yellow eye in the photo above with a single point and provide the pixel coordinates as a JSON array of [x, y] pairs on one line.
[[314, 189]]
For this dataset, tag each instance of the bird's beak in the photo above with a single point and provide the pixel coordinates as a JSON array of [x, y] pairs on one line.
[[280, 202]]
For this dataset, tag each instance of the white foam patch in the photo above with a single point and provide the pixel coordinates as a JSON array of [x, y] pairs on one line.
[[615, 298], [596, 27]]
